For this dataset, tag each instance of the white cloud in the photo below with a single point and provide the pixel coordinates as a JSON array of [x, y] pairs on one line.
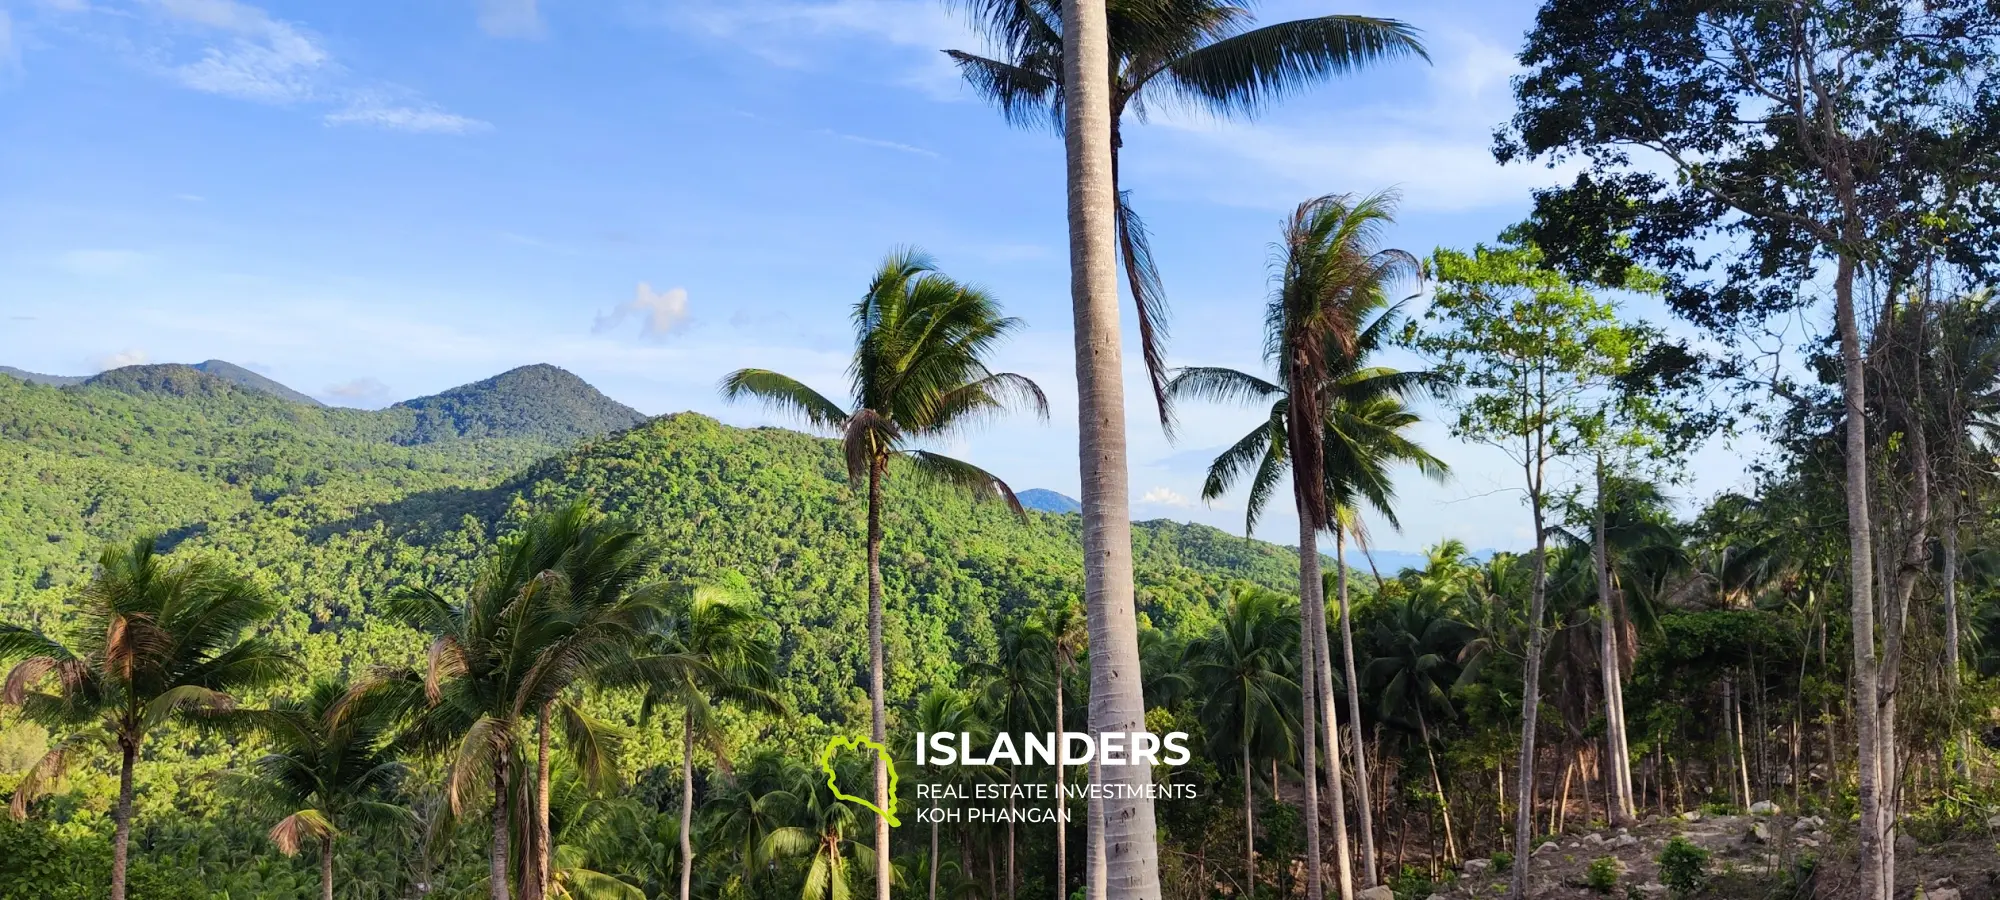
[[423, 118], [130, 356], [359, 390], [263, 59], [659, 312], [878, 142], [1165, 497], [191, 198], [793, 33], [101, 262], [510, 18]]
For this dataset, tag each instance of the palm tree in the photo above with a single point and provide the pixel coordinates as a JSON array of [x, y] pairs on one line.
[[331, 765], [1416, 665], [1202, 54], [822, 836], [154, 642], [1015, 687], [708, 649], [1068, 635], [1335, 421], [556, 606], [1246, 676], [919, 372], [942, 710]]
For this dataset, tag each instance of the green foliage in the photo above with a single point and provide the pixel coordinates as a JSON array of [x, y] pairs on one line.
[[539, 403], [1603, 874], [1683, 866], [1503, 862]]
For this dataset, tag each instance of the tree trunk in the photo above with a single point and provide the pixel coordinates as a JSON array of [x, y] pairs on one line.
[[687, 805], [538, 885], [1323, 663], [1093, 833], [1951, 640], [1309, 590], [1531, 699], [326, 868], [1363, 803], [877, 702], [1249, 829], [1062, 799], [934, 858], [1131, 854], [1861, 584], [121, 833], [1617, 777], [1437, 784], [1012, 779], [496, 871]]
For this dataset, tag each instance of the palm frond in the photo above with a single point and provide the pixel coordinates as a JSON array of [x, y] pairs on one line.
[[1244, 73], [981, 483], [784, 394]]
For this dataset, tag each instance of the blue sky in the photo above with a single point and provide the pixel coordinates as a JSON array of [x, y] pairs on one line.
[[371, 201]]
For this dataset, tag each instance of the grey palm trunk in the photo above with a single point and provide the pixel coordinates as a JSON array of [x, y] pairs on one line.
[[326, 868], [496, 871], [877, 704], [121, 836], [1362, 802], [1531, 695], [1329, 723], [1618, 775], [1309, 589], [1131, 854], [687, 802]]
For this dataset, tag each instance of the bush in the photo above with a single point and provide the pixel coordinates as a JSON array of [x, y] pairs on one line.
[[1683, 867], [1603, 874], [1503, 862]]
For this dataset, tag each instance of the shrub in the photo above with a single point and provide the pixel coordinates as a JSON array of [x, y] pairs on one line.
[[1603, 874], [1683, 867], [1503, 862]]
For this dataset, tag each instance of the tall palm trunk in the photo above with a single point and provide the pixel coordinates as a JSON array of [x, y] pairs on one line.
[[326, 868], [1617, 778], [1013, 778], [934, 861], [877, 704], [1437, 784], [496, 870], [1363, 805], [1531, 695], [121, 834], [1093, 833], [1062, 798], [1861, 584], [1951, 638], [1309, 589], [1249, 827], [1131, 854], [1330, 725], [538, 886], [687, 805]]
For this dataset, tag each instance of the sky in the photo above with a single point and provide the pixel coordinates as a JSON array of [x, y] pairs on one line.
[[371, 201]]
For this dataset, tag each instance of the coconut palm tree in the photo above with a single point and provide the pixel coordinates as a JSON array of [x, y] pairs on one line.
[[1202, 54], [919, 372], [1418, 644], [555, 607], [708, 648], [330, 767], [942, 710], [822, 834], [1246, 674], [1067, 635], [1335, 421], [1015, 690], [154, 642]]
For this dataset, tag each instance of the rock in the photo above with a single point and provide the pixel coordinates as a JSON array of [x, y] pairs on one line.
[[1692, 815], [1808, 842], [1575, 846], [1993, 822], [1816, 822], [1378, 892], [1623, 841], [1761, 833], [1440, 897], [1651, 889], [1943, 893], [1764, 808], [1477, 866], [1549, 847], [1594, 839]]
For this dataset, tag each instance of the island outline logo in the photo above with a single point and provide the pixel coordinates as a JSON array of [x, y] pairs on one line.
[[840, 742]]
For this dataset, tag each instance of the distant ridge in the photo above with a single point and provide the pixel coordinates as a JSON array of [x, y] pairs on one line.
[[1049, 501], [538, 401], [243, 377], [39, 378]]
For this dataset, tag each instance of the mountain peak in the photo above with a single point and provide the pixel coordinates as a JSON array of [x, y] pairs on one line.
[[1049, 501], [534, 401]]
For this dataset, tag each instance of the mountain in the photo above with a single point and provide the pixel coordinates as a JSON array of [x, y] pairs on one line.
[[39, 378], [1049, 501], [238, 375], [540, 402]]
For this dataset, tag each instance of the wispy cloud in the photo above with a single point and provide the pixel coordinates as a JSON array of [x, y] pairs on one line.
[[1165, 497], [130, 356], [422, 117], [878, 142], [510, 19], [10, 56], [358, 391], [801, 34], [659, 312]]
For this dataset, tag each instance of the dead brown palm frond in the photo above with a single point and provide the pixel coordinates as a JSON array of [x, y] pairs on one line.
[[308, 824]]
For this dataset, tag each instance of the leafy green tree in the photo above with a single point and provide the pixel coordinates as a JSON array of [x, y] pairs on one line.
[[945, 711], [1534, 352], [555, 606], [154, 642], [823, 837], [1246, 674], [1205, 54], [920, 348], [331, 766], [1335, 421], [1415, 667]]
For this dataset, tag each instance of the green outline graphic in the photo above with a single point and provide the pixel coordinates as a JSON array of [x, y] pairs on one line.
[[826, 765]]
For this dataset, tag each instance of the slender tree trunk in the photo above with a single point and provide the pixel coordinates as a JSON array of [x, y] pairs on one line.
[[1861, 584], [538, 882], [1310, 588], [1437, 784], [1742, 759], [1363, 803], [1331, 725], [1062, 797], [326, 868], [1131, 854], [496, 871], [1531, 698], [121, 817], [1951, 640], [877, 699], [1249, 829], [934, 859], [1012, 779], [1617, 777], [687, 806]]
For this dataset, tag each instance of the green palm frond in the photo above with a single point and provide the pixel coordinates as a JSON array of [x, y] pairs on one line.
[[981, 483], [1025, 95], [786, 395], [1246, 72]]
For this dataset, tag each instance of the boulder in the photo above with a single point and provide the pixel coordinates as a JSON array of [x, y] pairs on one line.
[[1594, 839], [1549, 847], [1378, 892], [1808, 842], [1622, 841], [1817, 822], [1692, 815], [1993, 822], [1477, 866], [1943, 893], [1764, 808], [1760, 833], [1651, 889]]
